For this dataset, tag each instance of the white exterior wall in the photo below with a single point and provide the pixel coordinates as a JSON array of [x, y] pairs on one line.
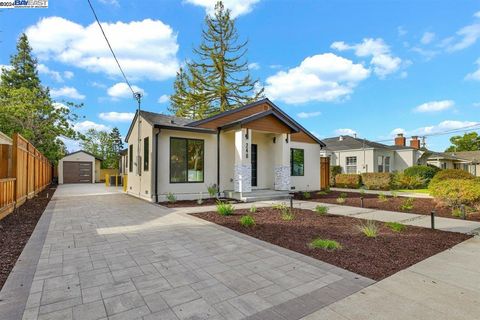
[[186, 190], [80, 156], [384, 153], [311, 178], [141, 186], [365, 159], [404, 159], [227, 160]]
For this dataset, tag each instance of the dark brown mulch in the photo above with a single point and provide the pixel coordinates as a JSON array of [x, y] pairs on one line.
[[375, 258], [194, 203], [371, 201], [16, 229]]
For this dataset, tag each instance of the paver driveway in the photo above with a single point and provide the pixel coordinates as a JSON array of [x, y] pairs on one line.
[[113, 256]]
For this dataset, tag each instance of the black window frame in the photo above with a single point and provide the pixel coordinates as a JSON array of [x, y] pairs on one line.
[[292, 150], [146, 151], [186, 162], [130, 159]]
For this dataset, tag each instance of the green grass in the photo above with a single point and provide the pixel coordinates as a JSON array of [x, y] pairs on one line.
[[321, 210], [369, 229], [287, 215], [325, 244], [396, 226], [247, 221], [424, 191], [225, 209]]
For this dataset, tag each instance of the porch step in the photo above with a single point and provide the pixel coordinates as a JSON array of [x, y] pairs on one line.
[[258, 195]]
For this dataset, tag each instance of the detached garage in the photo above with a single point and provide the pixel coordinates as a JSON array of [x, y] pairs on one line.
[[79, 167]]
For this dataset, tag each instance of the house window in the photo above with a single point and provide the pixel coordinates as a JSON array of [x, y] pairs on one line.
[[146, 151], [297, 162], [130, 159], [351, 166], [186, 160], [387, 164], [444, 165], [380, 163]]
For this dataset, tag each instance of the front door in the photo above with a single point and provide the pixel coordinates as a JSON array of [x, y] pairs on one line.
[[254, 165]]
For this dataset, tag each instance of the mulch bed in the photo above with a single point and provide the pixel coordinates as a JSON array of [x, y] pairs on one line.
[[371, 201], [194, 203], [375, 258], [16, 229]]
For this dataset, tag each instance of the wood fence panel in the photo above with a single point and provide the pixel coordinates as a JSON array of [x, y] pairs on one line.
[[7, 196]]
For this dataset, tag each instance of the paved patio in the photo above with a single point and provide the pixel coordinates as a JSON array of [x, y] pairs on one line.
[[108, 255]]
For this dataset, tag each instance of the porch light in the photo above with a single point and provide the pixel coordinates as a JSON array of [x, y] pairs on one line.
[[274, 139]]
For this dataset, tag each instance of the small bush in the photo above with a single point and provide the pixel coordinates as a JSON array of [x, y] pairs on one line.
[[334, 170], [287, 214], [322, 193], [247, 221], [403, 181], [455, 192], [382, 197], [343, 195], [325, 244], [212, 190], [171, 197], [449, 174], [224, 208], [280, 206], [321, 210], [394, 194], [348, 180], [456, 212], [341, 200], [396, 226], [369, 229], [407, 204], [306, 195], [377, 180], [426, 173], [253, 209]]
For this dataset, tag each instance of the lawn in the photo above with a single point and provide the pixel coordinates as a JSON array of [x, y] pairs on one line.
[[339, 240]]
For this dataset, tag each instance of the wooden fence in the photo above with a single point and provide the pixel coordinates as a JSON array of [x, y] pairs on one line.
[[31, 173]]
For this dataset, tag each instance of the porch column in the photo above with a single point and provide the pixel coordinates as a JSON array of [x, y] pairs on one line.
[[242, 178], [282, 162]]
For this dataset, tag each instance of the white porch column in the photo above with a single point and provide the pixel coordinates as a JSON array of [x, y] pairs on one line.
[[242, 178], [282, 162]]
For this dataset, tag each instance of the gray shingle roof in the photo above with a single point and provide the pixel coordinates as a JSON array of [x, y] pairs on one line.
[[467, 155], [163, 119], [349, 142]]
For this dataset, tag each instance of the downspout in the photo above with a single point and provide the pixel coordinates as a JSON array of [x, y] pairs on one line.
[[156, 166], [218, 161]]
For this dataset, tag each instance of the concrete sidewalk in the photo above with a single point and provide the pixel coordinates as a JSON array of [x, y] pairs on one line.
[[443, 287]]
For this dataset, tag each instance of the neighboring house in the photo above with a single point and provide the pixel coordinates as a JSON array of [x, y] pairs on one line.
[[355, 155], [472, 156], [256, 146], [122, 167], [79, 167]]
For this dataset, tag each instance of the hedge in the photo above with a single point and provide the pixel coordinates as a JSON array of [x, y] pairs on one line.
[[334, 170], [403, 181], [450, 174], [348, 180], [377, 180], [455, 192], [426, 173]]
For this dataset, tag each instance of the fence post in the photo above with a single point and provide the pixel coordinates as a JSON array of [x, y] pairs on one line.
[[14, 168]]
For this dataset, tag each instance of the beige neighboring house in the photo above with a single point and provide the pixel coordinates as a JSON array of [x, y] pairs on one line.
[[473, 158], [79, 167], [252, 149]]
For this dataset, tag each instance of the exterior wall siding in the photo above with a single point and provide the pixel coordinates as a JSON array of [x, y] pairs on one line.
[[311, 178]]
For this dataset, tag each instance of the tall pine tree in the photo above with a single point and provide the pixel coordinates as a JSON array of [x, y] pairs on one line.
[[219, 79], [26, 106]]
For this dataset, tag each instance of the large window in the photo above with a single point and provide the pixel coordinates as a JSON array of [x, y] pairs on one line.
[[387, 164], [297, 162], [383, 164], [186, 160], [130, 159], [146, 151], [351, 164]]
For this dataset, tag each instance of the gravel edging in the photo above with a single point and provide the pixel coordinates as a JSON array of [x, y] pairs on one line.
[[15, 291]]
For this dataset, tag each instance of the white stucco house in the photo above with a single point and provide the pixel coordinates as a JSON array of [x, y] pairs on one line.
[[254, 147], [79, 167]]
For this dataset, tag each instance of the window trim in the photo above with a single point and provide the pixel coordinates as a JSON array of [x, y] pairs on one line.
[[186, 162], [291, 162], [350, 165], [146, 156]]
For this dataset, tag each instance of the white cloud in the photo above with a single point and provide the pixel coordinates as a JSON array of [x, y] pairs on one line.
[[345, 132], [427, 37], [383, 62], [476, 74], [254, 66], [67, 92], [117, 116], [401, 31], [305, 115], [110, 2], [68, 74], [164, 98], [440, 127], [434, 106], [238, 7], [397, 131], [427, 54], [323, 77], [121, 90], [146, 49], [55, 75], [86, 125], [464, 38], [59, 105]]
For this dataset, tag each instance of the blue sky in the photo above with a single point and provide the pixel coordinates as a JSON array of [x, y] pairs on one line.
[[371, 67]]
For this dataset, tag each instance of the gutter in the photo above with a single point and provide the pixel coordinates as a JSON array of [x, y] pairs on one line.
[[156, 166]]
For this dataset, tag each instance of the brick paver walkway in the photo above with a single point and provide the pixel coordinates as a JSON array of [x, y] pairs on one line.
[[113, 256]]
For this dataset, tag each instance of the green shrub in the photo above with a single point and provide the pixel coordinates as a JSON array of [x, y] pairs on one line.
[[343, 195], [334, 170], [280, 206], [341, 200], [224, 208], [253, 209], [426, 173], [348, 180], [321, 210], [407, 204], [394, 194], [457, 212], [287, 214], [322, 193], [369, 229], [396, 226], [212, 190], [377, 180], [325, 244], [450, 174], [171, 197], [306, 195], [247, 221], [455, 192], [403, 181], [382, 197]]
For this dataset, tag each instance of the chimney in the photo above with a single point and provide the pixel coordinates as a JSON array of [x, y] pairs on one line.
[[415, 142], [400, 140]]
